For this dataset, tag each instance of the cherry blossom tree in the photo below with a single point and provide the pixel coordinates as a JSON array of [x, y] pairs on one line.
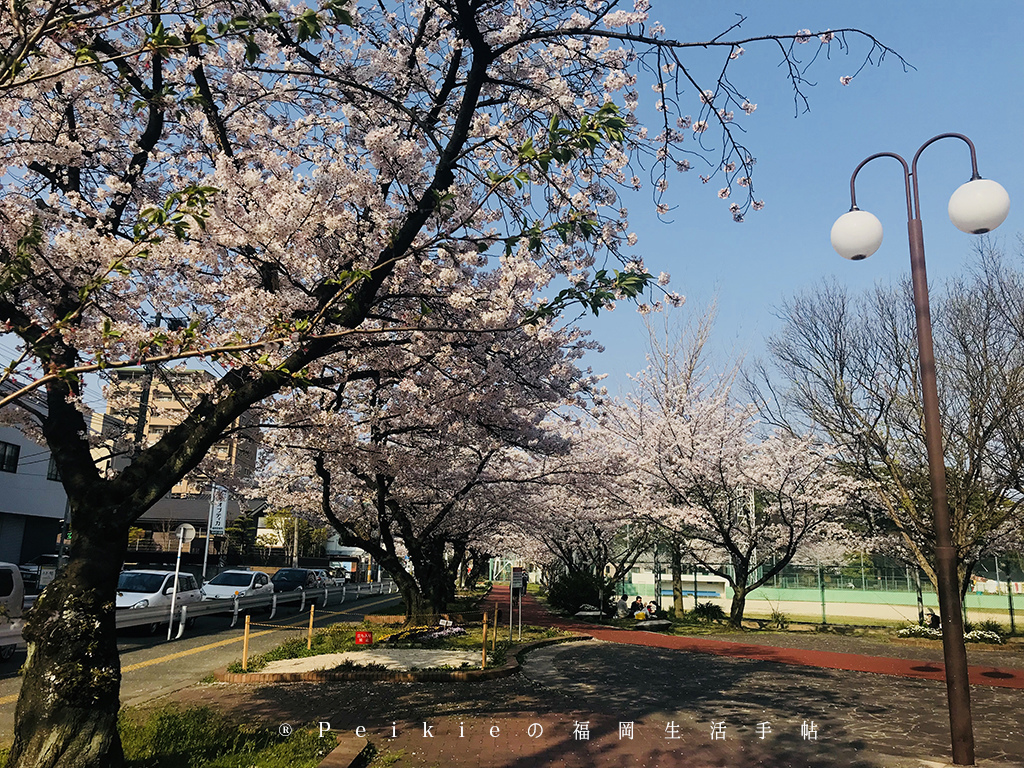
[[285, 182], [420, 448], [741, 503], [588, 516]]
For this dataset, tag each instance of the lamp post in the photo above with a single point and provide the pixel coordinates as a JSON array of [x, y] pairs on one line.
[[976, 207]]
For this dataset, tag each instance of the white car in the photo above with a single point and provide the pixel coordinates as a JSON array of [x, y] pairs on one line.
[[228, 584], [12, 595], [152, 589]]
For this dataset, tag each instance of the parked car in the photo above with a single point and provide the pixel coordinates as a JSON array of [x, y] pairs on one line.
[[12, 596], [152, 589], [323, 578], [291, 579], [39, 566], [228, 584]]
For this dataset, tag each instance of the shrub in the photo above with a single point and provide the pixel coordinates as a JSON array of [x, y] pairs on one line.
[[708, 612], [570, 591], [779, 620], [993, 626]]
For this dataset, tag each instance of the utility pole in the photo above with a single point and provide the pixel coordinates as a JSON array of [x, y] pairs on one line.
[[295, 545]]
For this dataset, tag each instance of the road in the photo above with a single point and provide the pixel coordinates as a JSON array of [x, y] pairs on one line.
[[152, 667]]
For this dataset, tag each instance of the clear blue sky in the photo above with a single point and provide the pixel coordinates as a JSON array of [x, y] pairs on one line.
[[968, 77]]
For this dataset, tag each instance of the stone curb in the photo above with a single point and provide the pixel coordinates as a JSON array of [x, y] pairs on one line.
[[400, 676], [351, 750]]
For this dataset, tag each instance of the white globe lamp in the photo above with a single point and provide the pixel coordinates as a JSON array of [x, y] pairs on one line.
[[979, 206], [856, 235]]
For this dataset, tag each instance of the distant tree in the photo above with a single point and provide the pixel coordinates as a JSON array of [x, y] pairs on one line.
[[741, 503]]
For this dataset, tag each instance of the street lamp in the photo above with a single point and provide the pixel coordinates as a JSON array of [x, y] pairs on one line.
[[977, 207]]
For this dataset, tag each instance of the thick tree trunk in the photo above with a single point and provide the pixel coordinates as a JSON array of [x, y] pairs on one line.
[[739, 602], [425, 590], [677, 581], [67, 712]]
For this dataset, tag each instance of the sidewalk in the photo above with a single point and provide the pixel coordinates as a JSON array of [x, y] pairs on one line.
[[631, 699], [925, 669]]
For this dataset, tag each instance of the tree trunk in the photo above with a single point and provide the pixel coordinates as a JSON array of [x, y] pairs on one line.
[[739, 601], [67, 710], [677, 581]]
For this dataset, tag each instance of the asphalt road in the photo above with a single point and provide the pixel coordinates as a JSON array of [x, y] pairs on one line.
[[152, 667]]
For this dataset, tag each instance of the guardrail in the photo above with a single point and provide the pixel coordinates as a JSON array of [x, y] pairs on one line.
[[186, 614]]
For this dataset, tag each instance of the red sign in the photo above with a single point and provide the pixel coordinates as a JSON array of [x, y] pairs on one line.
[[364, 638]]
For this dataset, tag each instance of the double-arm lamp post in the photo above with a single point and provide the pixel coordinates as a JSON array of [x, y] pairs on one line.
[[976, 207]]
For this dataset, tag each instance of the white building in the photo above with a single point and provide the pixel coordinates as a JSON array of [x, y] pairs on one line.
[[32, 500]]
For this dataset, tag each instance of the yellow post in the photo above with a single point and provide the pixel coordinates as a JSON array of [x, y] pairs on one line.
[[309, 635], [245, 645], [494, 634], [483, 660]]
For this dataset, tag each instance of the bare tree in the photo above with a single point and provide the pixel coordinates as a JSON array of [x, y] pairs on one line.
[[851, 367]]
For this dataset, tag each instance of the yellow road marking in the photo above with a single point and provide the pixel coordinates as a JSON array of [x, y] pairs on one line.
[[171, 656], [190, 651]]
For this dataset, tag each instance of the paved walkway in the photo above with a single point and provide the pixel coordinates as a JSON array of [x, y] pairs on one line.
[[635, 700], [885, 664]]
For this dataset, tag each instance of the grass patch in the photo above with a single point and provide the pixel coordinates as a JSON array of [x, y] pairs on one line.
[[337, 638], [200, 737], [4, 752], [386, 758]]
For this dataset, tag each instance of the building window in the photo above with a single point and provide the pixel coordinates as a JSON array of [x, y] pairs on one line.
[[52, 473], [9, 457]]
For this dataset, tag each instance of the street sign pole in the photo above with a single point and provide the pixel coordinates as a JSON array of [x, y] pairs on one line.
[[185, 533]]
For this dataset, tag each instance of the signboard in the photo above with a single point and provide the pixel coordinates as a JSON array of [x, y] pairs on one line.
[[185, 532], [364, 638], [47, 573], [518, 578], [218, 511]]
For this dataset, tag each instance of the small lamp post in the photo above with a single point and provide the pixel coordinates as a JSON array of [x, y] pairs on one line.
[[978, 206]]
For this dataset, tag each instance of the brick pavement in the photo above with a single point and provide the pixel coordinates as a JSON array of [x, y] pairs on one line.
[[862, 719]]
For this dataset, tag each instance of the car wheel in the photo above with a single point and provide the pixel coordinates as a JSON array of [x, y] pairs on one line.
[[151, 629], [7, 652], [190, 622]]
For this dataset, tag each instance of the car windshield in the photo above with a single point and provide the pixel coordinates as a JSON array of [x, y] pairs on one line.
[[228, 579], [147, 583], [289, 574]]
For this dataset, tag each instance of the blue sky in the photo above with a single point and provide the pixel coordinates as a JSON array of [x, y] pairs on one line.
[[968, 75]]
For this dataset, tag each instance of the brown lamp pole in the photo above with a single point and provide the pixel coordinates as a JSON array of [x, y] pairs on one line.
[[978, 206]]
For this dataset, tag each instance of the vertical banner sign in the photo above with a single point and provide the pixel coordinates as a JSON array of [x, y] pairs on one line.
[[218, 511]]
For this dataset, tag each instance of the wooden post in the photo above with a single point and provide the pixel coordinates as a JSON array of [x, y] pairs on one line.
[[309, 635], [483, 660], [494, 638], [245, 645]]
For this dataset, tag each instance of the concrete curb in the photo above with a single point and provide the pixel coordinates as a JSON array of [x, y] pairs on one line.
[[351, 750], [427, 675]]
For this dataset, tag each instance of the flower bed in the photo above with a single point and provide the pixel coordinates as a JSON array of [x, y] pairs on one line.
[[974, 636]]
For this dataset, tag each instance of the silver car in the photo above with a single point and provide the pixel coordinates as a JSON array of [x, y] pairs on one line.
[[237, 583]]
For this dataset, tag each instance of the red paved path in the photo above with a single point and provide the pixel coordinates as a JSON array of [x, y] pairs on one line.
[[534, 613]]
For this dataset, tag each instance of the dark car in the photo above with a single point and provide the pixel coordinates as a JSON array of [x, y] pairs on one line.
[[290, 579]]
